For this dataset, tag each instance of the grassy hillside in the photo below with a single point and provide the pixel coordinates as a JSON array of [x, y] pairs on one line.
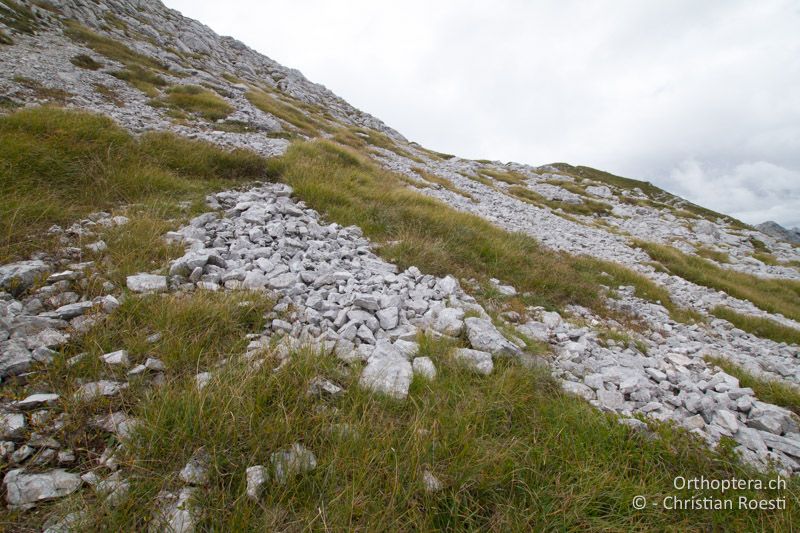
[[655, 193], [57, 166], [513, 452]]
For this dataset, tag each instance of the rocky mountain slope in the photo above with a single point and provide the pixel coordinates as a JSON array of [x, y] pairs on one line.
[[779, 232], [700, 313]]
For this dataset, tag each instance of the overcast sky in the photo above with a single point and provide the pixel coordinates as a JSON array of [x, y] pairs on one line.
[[701, 98]]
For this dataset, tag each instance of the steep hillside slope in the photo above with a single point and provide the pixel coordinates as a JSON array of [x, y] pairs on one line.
[[230, 300]]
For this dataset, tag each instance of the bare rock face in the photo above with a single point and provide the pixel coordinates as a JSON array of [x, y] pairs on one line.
[[774, 229], [24, 490]]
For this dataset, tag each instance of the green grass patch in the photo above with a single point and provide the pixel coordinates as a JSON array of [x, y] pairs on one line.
[[480, 178], [587, 207], [771, 295], [362, 138], [714, 255], [766, 390], [512, 452], [758, 326], [195, 99], [506, 176], [109, 94], [42, 92], [759, 246], [59, 165], [439, 180], [111, 48], [85, 61], [269, 103], [141, 78], [767, 258]]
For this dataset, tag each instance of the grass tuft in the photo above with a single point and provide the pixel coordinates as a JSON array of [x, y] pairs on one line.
[[758, 326], [714, 255], [141, 78], [587, 207], [196, 99], [771, 295], [43, 92], [85, 61], [272, 104], [442, 182], [18, 17], [59, 165], [766, 390], [506, 176]]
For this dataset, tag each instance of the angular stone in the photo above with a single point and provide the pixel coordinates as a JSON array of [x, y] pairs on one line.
[[484, 336], [195, 472], [449, 321], [113, 489], [254, 280], [35, 401], [480, 362], [424, 367], [751, 438], [431, 482], [144, 283], [12, 425], [368, 302], [388, 318], [175, 513], [768, 422], [118, 358], [202, 379], [18, 277], [283, 281], [15, 358], [727, 420], [25, 490], [90, 391], [694, 422], [69, 311], [389, 375], [257, 478], [783, 444], [578, 389], [610, 399], [295, 461], [322, 387]]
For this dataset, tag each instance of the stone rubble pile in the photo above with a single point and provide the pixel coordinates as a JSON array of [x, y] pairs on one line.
[[335, 294], [670, 382]]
